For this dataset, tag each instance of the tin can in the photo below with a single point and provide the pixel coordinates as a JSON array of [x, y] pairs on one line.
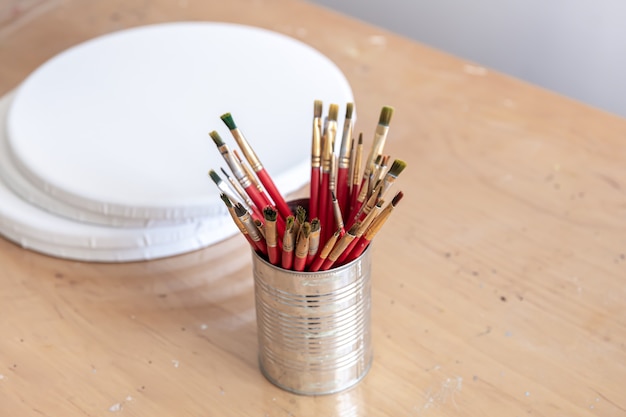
[[314, 328]]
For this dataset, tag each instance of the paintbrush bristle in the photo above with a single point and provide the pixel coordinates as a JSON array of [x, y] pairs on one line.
[[216, 138], [227, 118], [289, 221], [397, 167], [216, 178], [360, 142], [240, 210], [226, 200], [300, 214], [224, 172], [317, 108], [315, 225], [333, 112], [385, 115], [305, 230], [349, 110], [270, 214], [397, 198]]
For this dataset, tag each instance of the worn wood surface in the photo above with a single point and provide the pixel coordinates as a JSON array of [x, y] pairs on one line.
[[499, 283]]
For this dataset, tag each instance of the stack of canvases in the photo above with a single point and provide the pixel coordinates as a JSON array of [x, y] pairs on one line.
[[104, 149]]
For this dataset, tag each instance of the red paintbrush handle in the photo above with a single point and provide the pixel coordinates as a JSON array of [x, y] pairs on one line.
[[317, 263], [298, 263], [273, 255], [315, 188], [358, 249], [322, 209], [353, 199], [281, 206], [262, 246], [327, 264], [287, 259], [259, 200], [342, 190]]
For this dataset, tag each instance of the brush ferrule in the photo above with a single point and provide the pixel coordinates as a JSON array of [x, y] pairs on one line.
[[314, 242], [316, 143], [270, 233], [237, 171], [329, 142], [380, 136], [346, 144], [302, 247], [252, 229], [247, 150]]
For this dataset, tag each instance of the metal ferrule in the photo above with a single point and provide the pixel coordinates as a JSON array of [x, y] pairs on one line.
[[260, 227], [380, 137], [346, 142], [316, 144], [241, 192], [237, 170], [332, 179], [288, 242], [252, 177], [327, 153], [252, 229], [337, 213], [314, 242], [386, 184], [247, 150], [240, 225], [302, 247]]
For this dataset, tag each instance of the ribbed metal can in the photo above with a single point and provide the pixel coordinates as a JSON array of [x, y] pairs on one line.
[[314, 328]]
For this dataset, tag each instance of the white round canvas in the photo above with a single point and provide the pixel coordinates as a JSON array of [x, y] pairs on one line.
[[115, 130], [35, 228]]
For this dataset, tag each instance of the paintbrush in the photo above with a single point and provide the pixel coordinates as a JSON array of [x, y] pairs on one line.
[[232, 195], [327, 155], [251, 227], [380, 136], [302, 247], [257, 198], [355, 173], [271, 235], [316, 159], [339, 248], [240, 226], [314, 241], [361, 227], [288, 243], [323, 254], [396, 169], [374, 228], [343, 164], [256, 165]]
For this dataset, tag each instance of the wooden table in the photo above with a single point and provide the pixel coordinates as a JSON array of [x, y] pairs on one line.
[[499, 284]]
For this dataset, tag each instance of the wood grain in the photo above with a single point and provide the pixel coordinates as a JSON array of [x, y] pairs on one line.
[[498, 283]]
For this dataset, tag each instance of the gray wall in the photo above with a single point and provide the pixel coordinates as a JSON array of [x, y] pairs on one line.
[[574, 47]]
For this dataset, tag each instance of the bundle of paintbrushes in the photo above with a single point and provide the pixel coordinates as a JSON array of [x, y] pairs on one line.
[[346, 208]]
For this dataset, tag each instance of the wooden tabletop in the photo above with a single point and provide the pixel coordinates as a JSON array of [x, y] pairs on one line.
[[499, 285]]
